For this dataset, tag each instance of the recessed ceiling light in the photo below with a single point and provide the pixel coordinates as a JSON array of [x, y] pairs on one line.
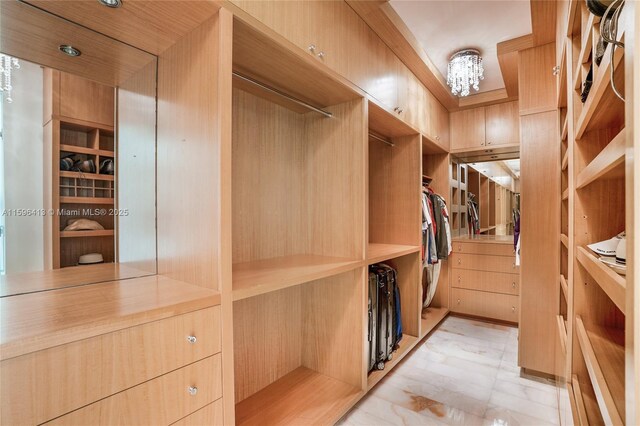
[[111, 3], [67, 49]]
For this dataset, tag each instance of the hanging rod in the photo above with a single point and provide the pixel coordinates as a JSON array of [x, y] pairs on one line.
[[284, 95], [378, 138]]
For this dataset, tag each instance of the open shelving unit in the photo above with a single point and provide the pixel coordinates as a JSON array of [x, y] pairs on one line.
[[597, 202], [75, 194]]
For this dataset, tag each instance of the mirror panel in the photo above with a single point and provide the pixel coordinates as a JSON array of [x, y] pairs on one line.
[[77, 157]]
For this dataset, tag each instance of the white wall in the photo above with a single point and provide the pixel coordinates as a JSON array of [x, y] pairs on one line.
[[23, 162]]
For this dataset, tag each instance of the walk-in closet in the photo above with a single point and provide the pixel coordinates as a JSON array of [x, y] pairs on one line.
[[310, 212]]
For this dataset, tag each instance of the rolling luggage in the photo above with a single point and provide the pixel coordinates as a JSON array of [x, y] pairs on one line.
[[387, 327]]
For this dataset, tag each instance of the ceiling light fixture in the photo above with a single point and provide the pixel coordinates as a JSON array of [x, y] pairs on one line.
[[69, 50], [111, 3], [7, 65], [465, 70]]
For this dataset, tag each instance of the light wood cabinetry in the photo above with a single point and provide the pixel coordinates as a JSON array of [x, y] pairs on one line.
[[494, 125], [485, 280]]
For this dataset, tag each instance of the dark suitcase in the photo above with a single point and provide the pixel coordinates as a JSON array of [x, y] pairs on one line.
[[397, 309], [385, 278], [373, 320]]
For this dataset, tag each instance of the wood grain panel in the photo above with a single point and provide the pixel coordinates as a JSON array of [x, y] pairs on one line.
[[479, 262], [504, 307], [336, 180], [333, 311], [188, 131], [267, 345], [34, 35], [147, 25], [467, 128], [488, 248], [495, 282], [394, 191], [211, 414], [540, 244], [536, 82], [163, 400], [136, 169], [95, 368], [502, 124], [87, 311], [270, 212], [86, 100]]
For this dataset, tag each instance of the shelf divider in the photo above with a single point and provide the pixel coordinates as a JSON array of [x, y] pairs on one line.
[[610, 282], [564, 240], [565, 287], [381, 252], [603, 354], [609, 163]]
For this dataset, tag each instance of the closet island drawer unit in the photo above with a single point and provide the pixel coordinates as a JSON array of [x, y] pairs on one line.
[[151, 357], [485, 279]]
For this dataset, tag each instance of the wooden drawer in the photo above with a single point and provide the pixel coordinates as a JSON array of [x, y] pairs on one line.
[[161, 401], [496, 282], [503, 307], [480, 262], [42, 385], [209, 415], [483, 248]]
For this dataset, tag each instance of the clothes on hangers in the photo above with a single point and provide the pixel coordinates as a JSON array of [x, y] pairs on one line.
[[472, 214]]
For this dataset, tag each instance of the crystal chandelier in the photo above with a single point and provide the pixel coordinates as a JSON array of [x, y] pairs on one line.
[[465, 71], [7, 65]]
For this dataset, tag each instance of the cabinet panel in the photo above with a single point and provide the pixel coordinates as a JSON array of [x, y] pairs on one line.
[[441, 123], [536, 82], [160, 401], [480, 262], [489, 305], [502, 124], [495, 282], [86, 100], [467, 128], [95, 368], [483, 248], [210, 415]]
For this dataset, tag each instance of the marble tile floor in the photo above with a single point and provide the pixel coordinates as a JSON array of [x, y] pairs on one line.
[[465, 373]]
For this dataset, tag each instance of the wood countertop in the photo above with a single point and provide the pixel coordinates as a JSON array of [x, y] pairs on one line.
[[493, 239], [36, 321]]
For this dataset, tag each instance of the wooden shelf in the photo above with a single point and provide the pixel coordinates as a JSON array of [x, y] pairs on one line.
[[565, 160], [381, 252], [89, 151], [564, 240], [586, 44], [603, 351], [613, 284], [561, 93], [565, 287], [602, 107], [562, 330], [95, 233], [586, 405], [73, 123], [609, 164], [404, 347], [85, 200], [264, 276], [565, 128], [300, 397], [565, 194], [489, 228], [430, 318], [80, 175]]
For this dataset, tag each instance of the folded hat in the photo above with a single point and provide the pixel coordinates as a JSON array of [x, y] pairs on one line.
[[83, 225], [607, 247]]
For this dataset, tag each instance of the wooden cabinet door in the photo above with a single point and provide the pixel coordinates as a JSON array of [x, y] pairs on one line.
[[410, 100], [86, 100], [441, 124], [380, 77], [467, 128], [502, 124]]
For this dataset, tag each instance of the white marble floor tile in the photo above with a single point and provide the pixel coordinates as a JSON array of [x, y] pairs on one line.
[[465, 373]]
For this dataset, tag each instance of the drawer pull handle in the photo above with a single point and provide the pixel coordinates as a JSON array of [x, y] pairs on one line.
[[459, 279], [459, 248], [458, 301], [513, 285], [312, 48], [513, 309], [192, 339], [513, 266], [192, 390], [459, 261]]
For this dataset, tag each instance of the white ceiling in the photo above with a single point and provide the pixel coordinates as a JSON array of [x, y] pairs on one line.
[[444, 27]]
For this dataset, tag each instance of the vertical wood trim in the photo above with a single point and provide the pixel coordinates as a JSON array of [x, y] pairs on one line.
[[225, 215]]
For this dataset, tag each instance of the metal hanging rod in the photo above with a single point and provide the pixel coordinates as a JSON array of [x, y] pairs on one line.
[[284, 95], [383, 140]]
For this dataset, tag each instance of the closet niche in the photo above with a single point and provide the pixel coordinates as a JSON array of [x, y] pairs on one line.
[[78, 176]]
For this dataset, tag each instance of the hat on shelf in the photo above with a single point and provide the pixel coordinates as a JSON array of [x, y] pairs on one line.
[[90, 259], [607, 247], [83, 225]]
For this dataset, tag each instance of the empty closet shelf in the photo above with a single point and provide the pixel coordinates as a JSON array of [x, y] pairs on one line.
[[300, 397], [92, 233], [381, 252], [430, 318], [263, 276]]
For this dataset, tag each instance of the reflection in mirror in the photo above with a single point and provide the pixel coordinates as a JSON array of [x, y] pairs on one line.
[[493, 197], [77, 179]]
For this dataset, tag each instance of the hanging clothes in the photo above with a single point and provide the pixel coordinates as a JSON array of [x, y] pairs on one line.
[[443, 230], [472, 214], [430, 276], [429, 250]]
